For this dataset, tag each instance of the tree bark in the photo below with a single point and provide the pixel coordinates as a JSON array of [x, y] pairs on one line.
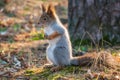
[[96, 19]]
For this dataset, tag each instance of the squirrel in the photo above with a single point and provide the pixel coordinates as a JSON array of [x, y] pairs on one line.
[[59, 51]]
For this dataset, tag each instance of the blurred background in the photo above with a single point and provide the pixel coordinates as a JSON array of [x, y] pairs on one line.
[[94, 25]]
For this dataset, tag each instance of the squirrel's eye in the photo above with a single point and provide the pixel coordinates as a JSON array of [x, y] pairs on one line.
[[45, 19]]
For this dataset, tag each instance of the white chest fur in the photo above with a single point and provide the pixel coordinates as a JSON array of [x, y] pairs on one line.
[[50, 50], [48, 30], [50, 54], [52, 45]]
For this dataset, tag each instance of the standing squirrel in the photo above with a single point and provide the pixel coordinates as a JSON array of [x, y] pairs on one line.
[[59, 51]]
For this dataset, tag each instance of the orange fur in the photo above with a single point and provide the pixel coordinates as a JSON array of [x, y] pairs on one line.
[[44, 8], [51, 11], [54, 35]]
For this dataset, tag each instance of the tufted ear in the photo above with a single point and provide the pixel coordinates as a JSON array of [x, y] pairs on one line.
[[44, 8], [51, 11]]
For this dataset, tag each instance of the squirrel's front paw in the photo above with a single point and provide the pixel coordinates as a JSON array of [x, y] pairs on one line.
[[46, 66], [46, 36]]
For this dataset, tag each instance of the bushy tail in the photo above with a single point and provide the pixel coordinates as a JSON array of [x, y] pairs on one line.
[[98, 59]]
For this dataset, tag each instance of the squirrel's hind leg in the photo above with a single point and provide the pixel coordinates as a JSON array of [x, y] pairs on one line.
[[46, 66], [62, 56]]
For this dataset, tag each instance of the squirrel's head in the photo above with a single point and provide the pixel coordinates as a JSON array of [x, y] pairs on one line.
[[48, 16]]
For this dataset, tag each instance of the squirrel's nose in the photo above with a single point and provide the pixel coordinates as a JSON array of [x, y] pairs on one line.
[[38, 22]]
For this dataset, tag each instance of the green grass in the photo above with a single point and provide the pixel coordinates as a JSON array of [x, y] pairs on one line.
[[87, 44], [65, 72], [10, 40], [29, 73], [38, 36], [3, 29], [16, 27]]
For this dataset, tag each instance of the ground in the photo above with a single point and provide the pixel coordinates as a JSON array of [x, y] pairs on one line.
[[22, 46]]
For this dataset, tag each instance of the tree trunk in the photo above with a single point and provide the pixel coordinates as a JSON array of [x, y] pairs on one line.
[[94, 19]]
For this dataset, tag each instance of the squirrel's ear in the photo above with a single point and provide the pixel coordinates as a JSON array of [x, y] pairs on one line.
[[43, 8], [51, 10]]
